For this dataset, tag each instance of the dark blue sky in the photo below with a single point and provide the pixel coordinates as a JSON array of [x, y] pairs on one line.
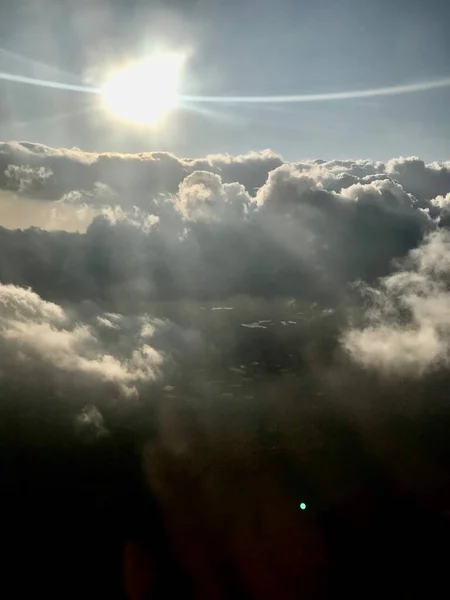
[[240, 47]]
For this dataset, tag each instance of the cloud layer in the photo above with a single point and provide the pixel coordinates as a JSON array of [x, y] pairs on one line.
[[215, 227], [221, 229], [263, 317]]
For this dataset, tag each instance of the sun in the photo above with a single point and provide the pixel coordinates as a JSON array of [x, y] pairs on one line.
[[145, 91]]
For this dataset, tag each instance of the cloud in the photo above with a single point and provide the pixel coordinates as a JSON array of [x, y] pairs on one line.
[[36, 332], [202, 325], [440, 209], [89, 423], [409, 321], [26, 179], [128, 305], [203, 197], [340, 231], [134, 178], [301, 236], [423, 180], [307, 230], [59, 171]]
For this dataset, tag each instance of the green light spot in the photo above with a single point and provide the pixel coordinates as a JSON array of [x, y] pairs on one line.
[[303, 506]]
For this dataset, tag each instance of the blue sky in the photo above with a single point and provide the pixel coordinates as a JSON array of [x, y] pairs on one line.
[[239, 47]]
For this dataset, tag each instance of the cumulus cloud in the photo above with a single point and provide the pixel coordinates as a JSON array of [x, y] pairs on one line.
[[409, 322], [59, 171], [307, 230], [440, 209], [423, 180], [143, 176], [36, 332], [347, 234], [203, 197], [205, 315], [160, 229]]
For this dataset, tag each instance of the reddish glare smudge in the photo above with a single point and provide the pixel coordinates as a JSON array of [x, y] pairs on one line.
[[138, 571]]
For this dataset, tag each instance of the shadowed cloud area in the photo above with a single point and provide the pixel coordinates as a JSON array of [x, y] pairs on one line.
[[190, 348]]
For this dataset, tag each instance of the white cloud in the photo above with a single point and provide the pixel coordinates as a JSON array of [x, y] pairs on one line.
[[23, 305], [203, 197], [285, 185], [41, 332], [409, 329], [423, 180]]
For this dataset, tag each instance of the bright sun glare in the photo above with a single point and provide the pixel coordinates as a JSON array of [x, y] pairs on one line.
[[146, 91]]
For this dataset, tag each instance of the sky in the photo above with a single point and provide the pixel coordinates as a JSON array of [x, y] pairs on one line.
[[208, 322], [241, 48]]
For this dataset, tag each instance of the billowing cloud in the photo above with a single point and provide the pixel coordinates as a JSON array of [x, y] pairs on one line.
[[440, 209], [310, 229], [409, 321], [203, 197], [305, 231], [55, 172], [134, 178], [36, 332], [423, 180], [197, 318]]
